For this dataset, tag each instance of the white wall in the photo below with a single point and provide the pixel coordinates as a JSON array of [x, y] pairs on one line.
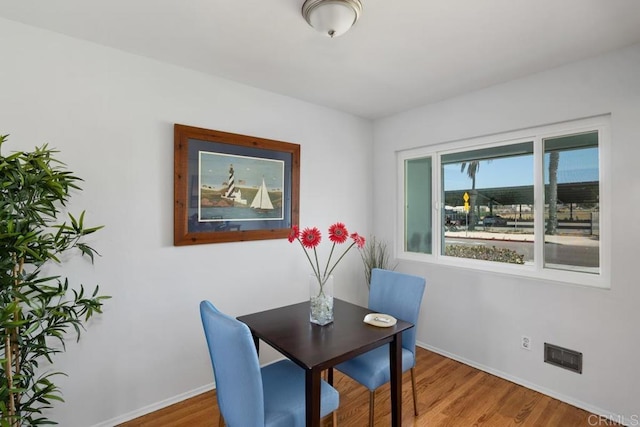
[[479, 317], [111, 115]]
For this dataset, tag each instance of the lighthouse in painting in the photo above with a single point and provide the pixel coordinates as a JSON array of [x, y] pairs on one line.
[[232, 193]]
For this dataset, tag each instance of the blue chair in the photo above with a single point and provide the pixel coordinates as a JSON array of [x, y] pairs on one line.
[[399, 295], [250, 396]]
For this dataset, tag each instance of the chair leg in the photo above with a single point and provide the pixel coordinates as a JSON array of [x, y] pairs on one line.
[[413, 388], [335, 418], [372, 399]]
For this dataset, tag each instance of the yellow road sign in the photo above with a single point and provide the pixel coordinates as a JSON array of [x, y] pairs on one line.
[[465, 197], [466, 206]]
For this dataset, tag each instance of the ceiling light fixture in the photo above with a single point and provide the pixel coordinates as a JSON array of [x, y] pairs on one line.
[[332, 17]]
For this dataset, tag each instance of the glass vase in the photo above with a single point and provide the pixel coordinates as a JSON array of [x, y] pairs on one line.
[[320, 300]]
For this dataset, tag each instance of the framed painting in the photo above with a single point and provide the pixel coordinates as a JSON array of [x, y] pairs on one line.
[[230, 187]]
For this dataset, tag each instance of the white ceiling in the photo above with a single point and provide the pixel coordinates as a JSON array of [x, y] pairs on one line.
[[400, 54]]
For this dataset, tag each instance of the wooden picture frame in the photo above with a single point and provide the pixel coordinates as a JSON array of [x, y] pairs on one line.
[[230, 187]]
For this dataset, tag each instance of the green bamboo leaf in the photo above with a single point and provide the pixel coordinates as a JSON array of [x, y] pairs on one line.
[[74, 222], [81, 220], [92, 230]]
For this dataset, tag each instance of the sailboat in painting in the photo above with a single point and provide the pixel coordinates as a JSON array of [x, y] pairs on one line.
[[262, 201]]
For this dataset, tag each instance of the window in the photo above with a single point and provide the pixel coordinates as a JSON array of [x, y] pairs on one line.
[[489, 194], [526, 203], [572, 191], [417, 213]]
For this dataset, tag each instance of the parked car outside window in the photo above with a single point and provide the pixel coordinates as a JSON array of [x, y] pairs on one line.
[[494, 220]]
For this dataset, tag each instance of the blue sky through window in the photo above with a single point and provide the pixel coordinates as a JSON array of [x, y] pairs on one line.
[[575, 166]]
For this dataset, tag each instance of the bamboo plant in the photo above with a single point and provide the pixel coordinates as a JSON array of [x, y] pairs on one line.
[[37, 310]]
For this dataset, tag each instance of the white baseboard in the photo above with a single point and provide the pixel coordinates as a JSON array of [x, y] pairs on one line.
[[551, 393], [163, 403], [155, 406]]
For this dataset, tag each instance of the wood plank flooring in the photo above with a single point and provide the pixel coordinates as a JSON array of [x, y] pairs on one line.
[[450, 394]]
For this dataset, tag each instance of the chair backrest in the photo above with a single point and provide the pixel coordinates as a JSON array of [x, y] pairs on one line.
[[235, 367], [399, 295]]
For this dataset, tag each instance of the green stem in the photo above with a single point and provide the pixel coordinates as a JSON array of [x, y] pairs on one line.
[[315, 253], [315, 272], [341, 256], [326, 267], [322, 281]]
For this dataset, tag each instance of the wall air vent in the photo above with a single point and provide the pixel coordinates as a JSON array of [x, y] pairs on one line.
[[563, 357]]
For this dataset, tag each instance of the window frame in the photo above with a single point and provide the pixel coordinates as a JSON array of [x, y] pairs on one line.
[[536, 269]]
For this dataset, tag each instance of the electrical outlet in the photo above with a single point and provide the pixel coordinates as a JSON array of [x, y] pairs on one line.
[[526, 342]]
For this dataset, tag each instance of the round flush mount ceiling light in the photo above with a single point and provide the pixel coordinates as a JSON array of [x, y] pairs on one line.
[[332, 17]]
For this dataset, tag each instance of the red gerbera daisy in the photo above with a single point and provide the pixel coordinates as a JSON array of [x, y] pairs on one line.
[[310, 237], [294, 233], [358, 239], [338, 233]]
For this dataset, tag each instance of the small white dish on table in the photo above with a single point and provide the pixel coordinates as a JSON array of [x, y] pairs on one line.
[[380, 320]]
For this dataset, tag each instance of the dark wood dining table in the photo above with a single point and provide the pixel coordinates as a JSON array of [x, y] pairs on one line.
[[316, 348]]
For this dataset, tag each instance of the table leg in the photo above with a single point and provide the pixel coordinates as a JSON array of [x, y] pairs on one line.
[[395, 359], [312, 397]]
